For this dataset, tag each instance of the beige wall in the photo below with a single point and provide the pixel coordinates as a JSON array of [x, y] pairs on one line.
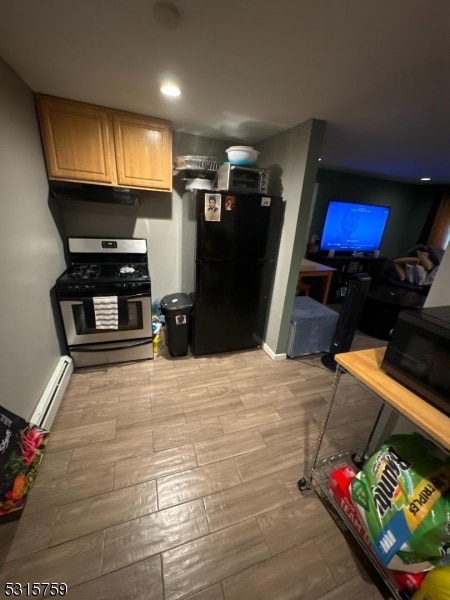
[[31, 255]]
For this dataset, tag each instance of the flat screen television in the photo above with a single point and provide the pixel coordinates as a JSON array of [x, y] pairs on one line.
[[353, 227]]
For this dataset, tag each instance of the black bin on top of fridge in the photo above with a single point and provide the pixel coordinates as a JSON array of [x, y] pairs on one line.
[[237, 240], [176, 308]]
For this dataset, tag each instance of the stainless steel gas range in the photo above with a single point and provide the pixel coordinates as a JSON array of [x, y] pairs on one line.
[[105, 301]]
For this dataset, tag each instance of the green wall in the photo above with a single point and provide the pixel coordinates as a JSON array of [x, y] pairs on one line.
[[293, 156], [410, 205], [31, 253]]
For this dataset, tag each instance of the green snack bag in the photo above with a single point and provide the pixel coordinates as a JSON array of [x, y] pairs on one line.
[[402, 496]]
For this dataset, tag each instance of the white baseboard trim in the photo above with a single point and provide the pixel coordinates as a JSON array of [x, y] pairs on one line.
[[268, 350], [49, 402]]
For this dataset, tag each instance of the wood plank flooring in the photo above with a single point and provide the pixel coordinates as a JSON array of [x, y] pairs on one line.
[[177, 480]]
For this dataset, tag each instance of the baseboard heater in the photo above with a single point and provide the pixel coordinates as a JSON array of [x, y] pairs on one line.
[[48, 404]]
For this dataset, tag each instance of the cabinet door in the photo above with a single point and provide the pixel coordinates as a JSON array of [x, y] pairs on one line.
[[143, 151], [77, 140]]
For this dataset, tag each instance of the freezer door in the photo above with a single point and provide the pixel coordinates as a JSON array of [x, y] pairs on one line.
[[230, 306], [239, 230]]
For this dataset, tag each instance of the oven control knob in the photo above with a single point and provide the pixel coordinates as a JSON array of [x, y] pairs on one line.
[[76, 287], [125, 286], [134, 285]]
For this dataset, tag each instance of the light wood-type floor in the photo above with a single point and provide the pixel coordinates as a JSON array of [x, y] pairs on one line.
[[177, 479]]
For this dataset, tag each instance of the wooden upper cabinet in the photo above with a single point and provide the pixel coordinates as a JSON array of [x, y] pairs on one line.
[[93, 144], [77, 140], [143, 151]]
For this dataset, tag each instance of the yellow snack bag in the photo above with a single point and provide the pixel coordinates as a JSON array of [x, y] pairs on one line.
[[435, 586]]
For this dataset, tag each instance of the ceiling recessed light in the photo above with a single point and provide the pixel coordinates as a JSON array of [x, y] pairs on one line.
[[425, 179], [170, 89], [320, 159]]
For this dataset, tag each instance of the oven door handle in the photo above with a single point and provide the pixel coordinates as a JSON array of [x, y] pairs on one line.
[[84, 349], [82, 299]]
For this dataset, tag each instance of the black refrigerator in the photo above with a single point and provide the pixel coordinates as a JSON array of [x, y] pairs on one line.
[[237, 241]]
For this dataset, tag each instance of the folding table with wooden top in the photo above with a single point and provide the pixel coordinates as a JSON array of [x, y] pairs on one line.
[[309, 268]]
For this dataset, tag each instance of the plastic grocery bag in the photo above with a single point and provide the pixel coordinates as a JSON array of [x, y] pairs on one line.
[[402, 496], [21, 451]]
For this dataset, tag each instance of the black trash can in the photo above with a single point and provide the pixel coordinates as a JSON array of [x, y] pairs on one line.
[[177, 308]]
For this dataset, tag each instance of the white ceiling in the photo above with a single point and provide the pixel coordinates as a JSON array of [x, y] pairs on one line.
[[376, 70]]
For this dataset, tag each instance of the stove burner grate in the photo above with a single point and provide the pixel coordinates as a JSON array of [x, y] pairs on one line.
[[85, 271], [129, 270]]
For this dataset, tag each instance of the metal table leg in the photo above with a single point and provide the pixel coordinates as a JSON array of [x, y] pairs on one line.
[[305, 482], [360, 459]]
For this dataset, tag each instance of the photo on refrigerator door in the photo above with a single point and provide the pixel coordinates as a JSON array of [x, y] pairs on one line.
[[230, 202], [213, 203]]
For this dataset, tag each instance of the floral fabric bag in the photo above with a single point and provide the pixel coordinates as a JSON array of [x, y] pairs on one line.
[[21, 450]]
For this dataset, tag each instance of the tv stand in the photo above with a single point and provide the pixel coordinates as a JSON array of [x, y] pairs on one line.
[[346, 266]]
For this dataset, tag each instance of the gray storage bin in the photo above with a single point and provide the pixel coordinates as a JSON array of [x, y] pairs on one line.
[[312, 327]]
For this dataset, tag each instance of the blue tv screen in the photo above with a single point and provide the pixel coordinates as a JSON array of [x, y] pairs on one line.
[[351, 227]]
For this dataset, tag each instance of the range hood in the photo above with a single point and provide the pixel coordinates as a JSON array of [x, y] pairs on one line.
[[94, 193]]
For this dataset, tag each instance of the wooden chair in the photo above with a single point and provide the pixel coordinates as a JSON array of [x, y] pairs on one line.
[[302, 288]]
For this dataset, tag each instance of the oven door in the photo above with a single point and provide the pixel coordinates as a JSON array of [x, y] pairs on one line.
[[79, 325]]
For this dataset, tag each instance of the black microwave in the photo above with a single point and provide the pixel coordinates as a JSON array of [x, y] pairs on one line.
[[418, 354]]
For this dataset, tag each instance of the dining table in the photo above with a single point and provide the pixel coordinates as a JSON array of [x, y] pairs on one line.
[[309, 268]]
